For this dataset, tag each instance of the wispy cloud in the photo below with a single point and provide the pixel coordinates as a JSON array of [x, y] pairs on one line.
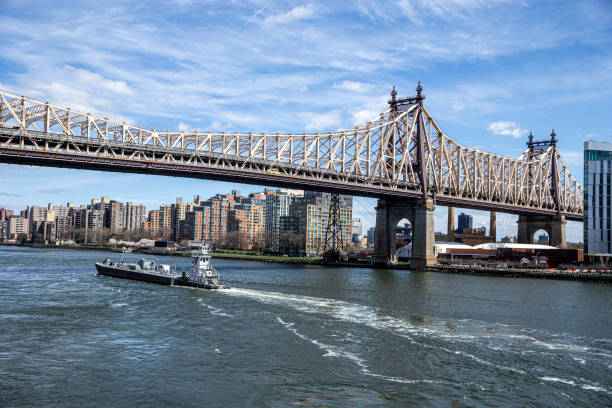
[[295, 14], [507, 128], [416, 10], [369, 110], [353, 86], [321, 121], [258, 12], [6, 194], [55, 191]]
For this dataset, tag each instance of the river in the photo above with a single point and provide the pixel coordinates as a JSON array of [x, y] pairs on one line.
[[297, 335]]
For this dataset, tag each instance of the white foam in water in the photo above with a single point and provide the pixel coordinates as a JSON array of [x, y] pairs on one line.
[[335, 351], [217, 312], [370, 317], [584, 386], [214, 310], [555, 379], [593, 388], [360, 314]]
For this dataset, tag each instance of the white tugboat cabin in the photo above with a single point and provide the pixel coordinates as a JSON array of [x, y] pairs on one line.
[[201, 268]]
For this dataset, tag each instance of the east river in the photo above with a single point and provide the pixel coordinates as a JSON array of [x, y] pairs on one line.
[[288, 335]]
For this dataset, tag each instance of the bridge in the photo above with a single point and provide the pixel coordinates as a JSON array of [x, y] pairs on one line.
[[402, 157]]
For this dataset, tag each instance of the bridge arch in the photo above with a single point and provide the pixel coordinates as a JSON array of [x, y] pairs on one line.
[[537, 234], [554, 226], [403, 240]]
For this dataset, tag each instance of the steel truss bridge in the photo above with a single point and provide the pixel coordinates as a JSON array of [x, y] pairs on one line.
[[401, 154]]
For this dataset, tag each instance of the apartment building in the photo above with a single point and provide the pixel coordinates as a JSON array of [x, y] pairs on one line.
[[597, 204]]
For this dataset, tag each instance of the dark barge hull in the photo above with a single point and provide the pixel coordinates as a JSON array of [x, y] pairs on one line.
[[115, 272], [183, 282], [106, 270]]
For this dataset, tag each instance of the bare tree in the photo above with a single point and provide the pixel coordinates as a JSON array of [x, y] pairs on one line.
[[258, 243], [291, 243]]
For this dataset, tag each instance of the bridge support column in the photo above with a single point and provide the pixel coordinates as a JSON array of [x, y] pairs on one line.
[[554, 225], [557, 237], [450, 225], [493, 225], [420, 215], [423, 235]]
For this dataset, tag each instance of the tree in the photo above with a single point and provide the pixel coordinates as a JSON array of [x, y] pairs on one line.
[[257, 243], [291, 243]]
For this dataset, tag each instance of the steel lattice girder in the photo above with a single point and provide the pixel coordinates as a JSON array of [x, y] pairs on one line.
[[387, 157]]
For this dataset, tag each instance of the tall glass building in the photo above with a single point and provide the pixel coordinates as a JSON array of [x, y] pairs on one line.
[[597, 206]]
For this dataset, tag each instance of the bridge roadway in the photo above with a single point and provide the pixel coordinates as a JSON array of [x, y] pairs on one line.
[[37, 149]]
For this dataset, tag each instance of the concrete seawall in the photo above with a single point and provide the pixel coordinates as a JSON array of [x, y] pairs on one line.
[[576, 274]]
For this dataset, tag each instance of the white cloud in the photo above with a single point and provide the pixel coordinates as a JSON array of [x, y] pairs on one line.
[[183, 127], [241, 118], [296, 14], [95, 80], [353, 86], [573, 159], [369, 110], [416, 10], [507, 128], [321, 121]]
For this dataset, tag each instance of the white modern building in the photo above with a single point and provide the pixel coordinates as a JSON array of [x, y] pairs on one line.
[[356, 230], [597, 206]]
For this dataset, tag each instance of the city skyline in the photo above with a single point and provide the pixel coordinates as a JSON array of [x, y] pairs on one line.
[[506, 222], [274, 220]]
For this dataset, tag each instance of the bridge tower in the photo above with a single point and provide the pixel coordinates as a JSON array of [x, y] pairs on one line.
[[554, 225], [418, 211]]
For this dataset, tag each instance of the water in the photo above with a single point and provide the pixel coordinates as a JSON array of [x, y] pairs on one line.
[[297, 336]]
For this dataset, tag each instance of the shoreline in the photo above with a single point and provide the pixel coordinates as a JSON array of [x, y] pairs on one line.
[[583, 275]]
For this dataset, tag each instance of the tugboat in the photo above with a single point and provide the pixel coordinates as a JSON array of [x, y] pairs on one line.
[[201, 274]]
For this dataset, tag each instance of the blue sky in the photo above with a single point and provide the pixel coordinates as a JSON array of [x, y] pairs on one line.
[[492, 71]]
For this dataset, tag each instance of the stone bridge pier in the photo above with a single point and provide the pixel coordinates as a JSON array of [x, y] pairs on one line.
[[554, 225], [420, 214]]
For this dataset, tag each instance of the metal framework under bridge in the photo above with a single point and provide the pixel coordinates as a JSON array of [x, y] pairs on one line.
[[401, 154]]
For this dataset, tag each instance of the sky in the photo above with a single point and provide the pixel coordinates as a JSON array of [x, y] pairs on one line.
[[491, 70]]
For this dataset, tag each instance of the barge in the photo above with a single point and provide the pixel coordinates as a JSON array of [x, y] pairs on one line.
[[200, 275]]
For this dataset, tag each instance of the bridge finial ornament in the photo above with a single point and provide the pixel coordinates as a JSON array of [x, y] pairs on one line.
[[552, 137], [404, 103], [419, 88], [530, 139]]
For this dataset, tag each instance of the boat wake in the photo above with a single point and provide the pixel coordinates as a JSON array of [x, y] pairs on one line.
[[214, 310], [335, 351], [438, 335]]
